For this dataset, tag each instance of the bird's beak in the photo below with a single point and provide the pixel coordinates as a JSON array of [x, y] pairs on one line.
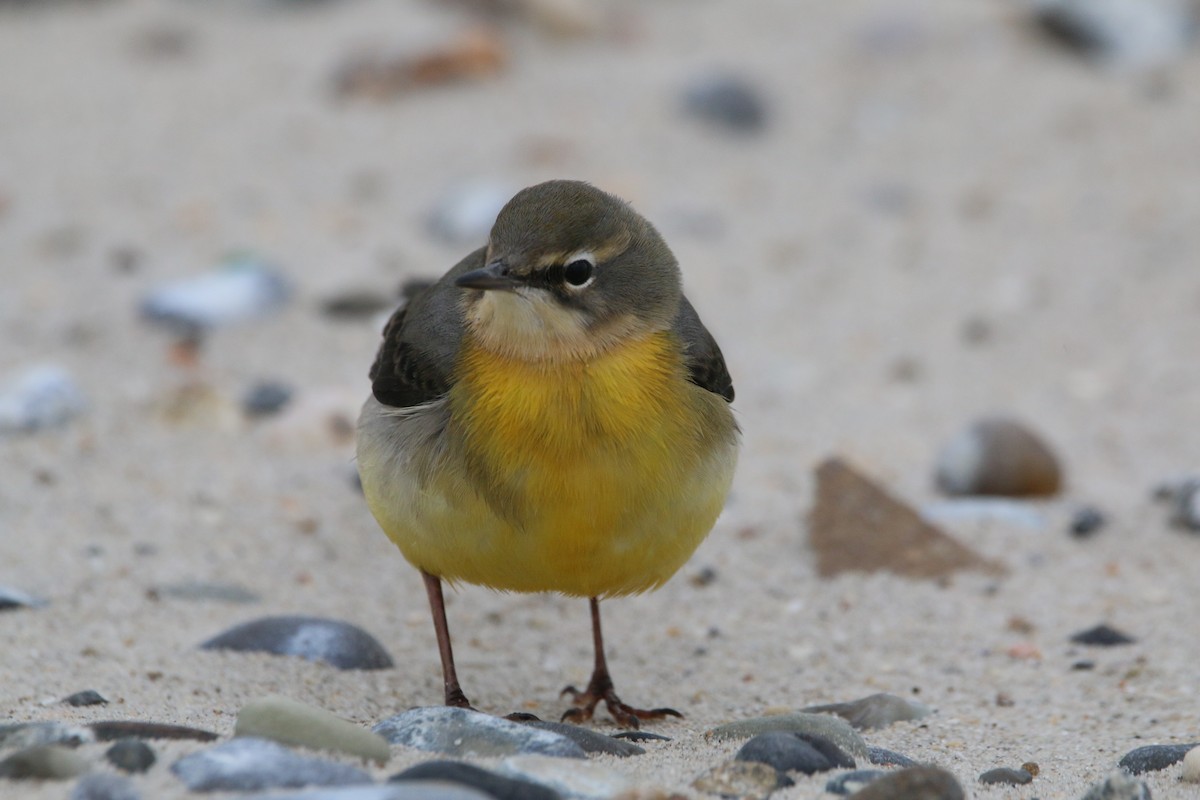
[[494, 276]]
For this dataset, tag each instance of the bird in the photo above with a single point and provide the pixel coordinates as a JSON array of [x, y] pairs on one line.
[[551, 416]]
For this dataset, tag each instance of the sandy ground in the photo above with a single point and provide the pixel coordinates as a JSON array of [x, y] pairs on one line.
[[928, 168]]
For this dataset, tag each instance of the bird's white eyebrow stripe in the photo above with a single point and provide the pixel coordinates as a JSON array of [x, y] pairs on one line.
[[585, 255]]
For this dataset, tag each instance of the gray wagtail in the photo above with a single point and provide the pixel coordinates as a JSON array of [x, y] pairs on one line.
[[551, 416]]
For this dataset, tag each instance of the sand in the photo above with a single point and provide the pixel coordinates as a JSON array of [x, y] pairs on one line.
[[944, 217]]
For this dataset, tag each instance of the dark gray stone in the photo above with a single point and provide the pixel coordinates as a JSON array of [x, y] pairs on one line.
[[1102, 636], [496, 786], [104, 786], [1087, 521], [1006, 776], [590, 740], [339, 644], [913, 783], [112, 730], [728, 102], [835, 729], [1154, 757], [850, 782], [88, 697], [414, 790], [874, 711], [131, 755], [246, 764], [784, 751], [460, 731], [266, 398], [888, 758]]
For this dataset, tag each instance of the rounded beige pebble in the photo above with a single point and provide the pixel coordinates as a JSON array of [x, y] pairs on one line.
[[1191, 766]]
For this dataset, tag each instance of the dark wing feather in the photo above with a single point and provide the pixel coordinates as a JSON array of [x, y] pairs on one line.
[[706, 365]]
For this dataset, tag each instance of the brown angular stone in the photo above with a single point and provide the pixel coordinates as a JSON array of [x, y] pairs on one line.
[[856, 526]]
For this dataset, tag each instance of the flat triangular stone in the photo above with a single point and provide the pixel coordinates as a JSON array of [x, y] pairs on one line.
[[856, 526]]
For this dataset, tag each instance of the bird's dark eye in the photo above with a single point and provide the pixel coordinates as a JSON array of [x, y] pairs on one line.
[[578, 272]]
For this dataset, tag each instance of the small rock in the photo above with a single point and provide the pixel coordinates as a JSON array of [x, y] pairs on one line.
[[874, 711], [460, 731], [204, 591], [913, 783], [464, 215], [725, 101], [409, 790], [1183, 496], [11, 598], [472, 56], [590, 740], [33, 734], [584, 780], [289, 722], [834, 729], [131, 755], [354, 304], [856, 526], [242, 289], [246, 764], [1006, 775], [1129, 34], [788, 752], [998, 456], [641, 736], [1103, 636], [88, 697], [266, 398], [1191, 766], [40, 398], [104, 786], [849, 782], [1087, 521], [339, 644], [888, 758], [43, 762], [1118, 786], [1154, 757], [495, 786], [112, 730], [746, 780]]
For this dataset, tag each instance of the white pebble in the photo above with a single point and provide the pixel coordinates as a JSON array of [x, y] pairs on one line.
[[1191, 766]]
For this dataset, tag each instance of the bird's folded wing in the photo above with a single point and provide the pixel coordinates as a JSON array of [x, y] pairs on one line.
[[706, 365]]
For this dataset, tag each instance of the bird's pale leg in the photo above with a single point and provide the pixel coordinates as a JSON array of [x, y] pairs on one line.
[[437, 604], [600, 687]]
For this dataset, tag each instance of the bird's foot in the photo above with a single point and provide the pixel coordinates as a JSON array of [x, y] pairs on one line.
[[600, 688]]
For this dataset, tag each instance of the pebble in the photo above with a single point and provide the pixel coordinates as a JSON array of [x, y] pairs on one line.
[[40, 398], [459, 731], [1102, 636], [1191, 766], [412, 790], [473, 55], [243, 288], [1118, 786], [874, 711], [746, 780], [33, 734], [104, 786], [1183, 496], [494, 786], [265, 398], [856, 526], [88, 697], [1154, 757], [850, 782], [287, 721], [888, 758], [246, 764], [43, 762], [356, 304], [790, 752], [1087, 521], [725, 101], [913, 783], [998, 456], [464, 215], [835, 729], [1121, 33], [587, 781], [11, 598], [1007, 776], [205, 591], [590, 740], [131, 755], [339, 644], [112, 730]]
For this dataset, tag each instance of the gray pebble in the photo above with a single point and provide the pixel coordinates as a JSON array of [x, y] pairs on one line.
[[242, 289], [590, 740], [1118, 786], [834, 729], [203, 591], [1087, 521], [1183, 497], [583, 780], [849, 782], [356, 304], [1121, 33], [32, 734], [339, 644], [786, 752], [459, 731], [913, 783], [131, 755], [746, 780], [112, 730], [495, 786], [287, 721], [43, 762], [246, 764], [88, 697], [1102, 636], [888, 758], [464, 215], [414, 790], [11, 598], [1007, 776], [874, 711], [40, 398], [726, 101], [104, 786], [1154, 757], [266, 398]]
